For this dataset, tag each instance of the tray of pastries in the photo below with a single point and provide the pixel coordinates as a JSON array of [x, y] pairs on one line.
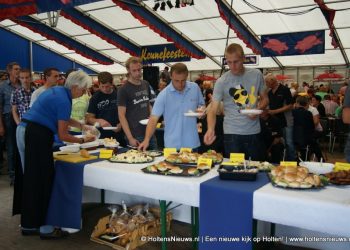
[[339, 178], [166, 168], [296, 178], [131, 157]]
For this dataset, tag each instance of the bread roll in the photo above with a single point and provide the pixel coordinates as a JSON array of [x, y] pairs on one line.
[[290, 170], [317, 180], [290, 177], [310, 180], [84, 153]]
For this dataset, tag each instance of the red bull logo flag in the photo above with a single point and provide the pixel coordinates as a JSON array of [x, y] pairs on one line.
[[300, 43]]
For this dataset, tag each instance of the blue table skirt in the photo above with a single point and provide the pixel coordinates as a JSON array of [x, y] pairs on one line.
[[226, 213], [66, 196]]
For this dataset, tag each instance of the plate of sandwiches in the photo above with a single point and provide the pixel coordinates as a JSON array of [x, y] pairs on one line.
[[131, 157], [192, 158], [296, 178], [166, 168]]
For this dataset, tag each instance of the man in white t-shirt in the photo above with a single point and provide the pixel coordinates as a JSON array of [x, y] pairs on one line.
[[318, 132], [51, 76]]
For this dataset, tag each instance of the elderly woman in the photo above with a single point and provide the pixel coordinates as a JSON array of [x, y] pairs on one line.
[[49, 115]]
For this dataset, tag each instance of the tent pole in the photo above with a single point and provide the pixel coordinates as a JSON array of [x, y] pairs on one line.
[[31, 56]]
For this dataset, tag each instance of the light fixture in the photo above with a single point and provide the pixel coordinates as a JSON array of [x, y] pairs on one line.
[[162, 6], [156, 6], [170, 5]]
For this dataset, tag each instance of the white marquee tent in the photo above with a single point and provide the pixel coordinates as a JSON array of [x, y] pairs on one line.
[[202, 25]]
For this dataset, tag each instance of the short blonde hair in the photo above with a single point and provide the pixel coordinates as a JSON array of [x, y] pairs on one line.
[[234, 48], [132, 60]]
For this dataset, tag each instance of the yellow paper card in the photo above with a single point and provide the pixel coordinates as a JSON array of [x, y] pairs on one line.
[[341, 166], [237, 157], [106, 153], [205, 161], [159, 125], [169, 151], [185, 150], [289, 163]]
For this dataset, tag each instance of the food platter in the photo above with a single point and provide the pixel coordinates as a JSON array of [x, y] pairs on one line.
[[153, 153], [339, 178], [168, 169], [131, 157], [239, 173], [190, 158], [296, 178]]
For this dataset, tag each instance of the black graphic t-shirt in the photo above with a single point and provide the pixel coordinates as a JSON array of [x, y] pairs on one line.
[[136, 100], [104, 106]]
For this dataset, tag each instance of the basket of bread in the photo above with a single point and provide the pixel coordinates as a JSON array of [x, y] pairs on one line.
[[129, 228]]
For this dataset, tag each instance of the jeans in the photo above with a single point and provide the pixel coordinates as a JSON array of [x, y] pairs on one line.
[[10, 134], [20, 132], [288, 139], [250, 145]]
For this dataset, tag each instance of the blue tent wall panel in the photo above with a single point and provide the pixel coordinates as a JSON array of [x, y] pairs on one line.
[[13, 48], [44, 58], [16, 48]]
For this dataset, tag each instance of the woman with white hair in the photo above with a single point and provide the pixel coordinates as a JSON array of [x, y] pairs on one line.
[[49, 115]]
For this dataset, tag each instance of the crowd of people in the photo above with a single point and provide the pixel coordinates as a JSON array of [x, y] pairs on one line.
[[32, 120]]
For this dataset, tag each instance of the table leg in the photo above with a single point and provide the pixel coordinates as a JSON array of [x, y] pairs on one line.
[[195, 226], [273, 230], [255, 233], [163, 222], [102, 196]]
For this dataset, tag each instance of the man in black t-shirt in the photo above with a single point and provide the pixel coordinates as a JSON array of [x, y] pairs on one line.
[[316, 102], [280, 106], [103, 108], [134, 104]]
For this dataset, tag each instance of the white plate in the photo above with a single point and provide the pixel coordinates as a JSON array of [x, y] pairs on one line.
[[144, 121], [90, 144], [111, 146], [251, 111], [317, 167], [109, 128], [74, 148], [193, 114]]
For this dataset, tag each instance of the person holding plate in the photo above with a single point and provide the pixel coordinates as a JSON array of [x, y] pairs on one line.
[[242, 91], [174, 102]]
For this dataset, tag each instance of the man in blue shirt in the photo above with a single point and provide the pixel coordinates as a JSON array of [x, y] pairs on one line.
[[7, 123], [173, 102]]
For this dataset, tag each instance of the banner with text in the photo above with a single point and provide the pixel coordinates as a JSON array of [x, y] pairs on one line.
[[163, 53]]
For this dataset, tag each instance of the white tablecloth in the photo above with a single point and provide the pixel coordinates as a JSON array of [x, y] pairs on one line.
[[324, 210], [128, 178]]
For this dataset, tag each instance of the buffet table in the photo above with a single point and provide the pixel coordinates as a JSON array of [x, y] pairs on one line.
[[324, 210]]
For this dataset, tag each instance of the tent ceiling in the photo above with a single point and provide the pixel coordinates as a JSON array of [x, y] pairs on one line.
[[202, 25]]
